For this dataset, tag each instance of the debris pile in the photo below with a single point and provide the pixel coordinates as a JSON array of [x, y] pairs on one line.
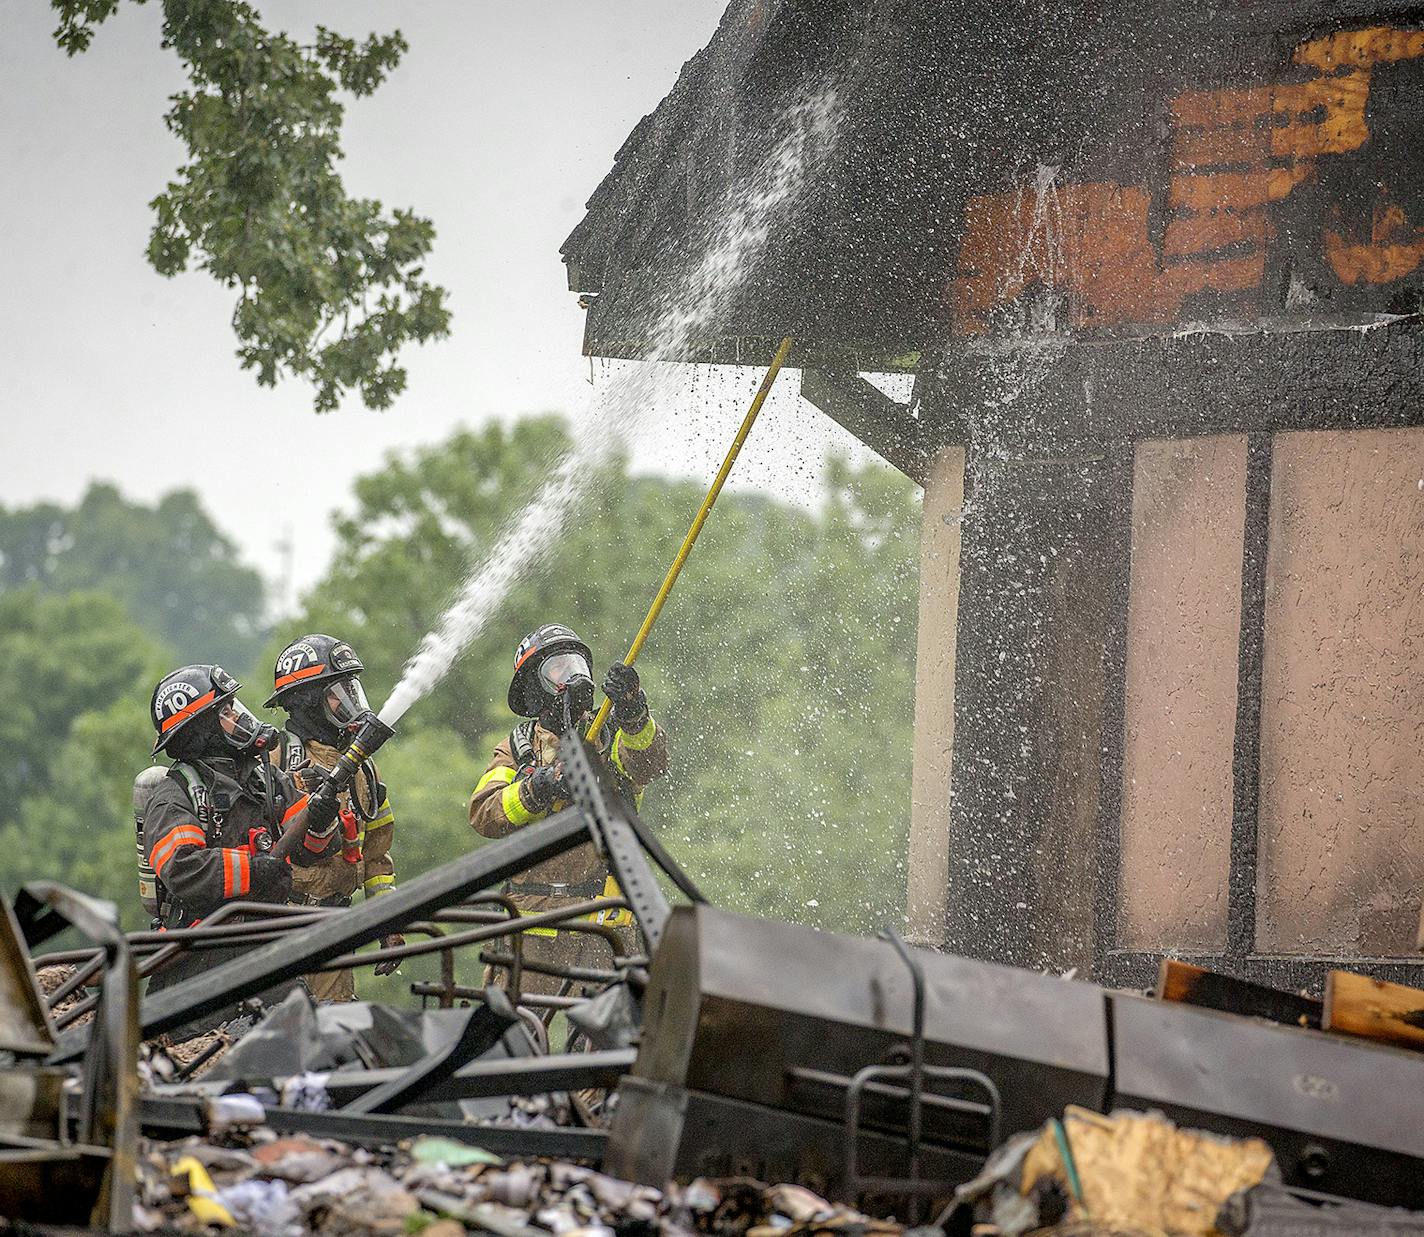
[[277, 1186]]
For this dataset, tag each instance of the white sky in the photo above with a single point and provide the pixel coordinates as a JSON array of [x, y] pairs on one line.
[[498, 124]]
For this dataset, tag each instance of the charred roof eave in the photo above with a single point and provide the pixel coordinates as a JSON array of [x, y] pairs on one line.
[[944, 102]]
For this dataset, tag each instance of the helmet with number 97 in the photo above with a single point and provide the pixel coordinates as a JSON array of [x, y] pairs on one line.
[[195, 711], [317, 674]]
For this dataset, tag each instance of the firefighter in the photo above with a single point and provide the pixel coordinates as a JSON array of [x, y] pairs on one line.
[[211, 821], [316, 680], [553, 688]]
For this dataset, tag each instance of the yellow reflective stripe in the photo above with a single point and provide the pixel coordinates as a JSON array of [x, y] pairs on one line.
[[500, 773], [379, 884], [611, 916], [641, 741], [384, 816], [514, 810], [634, 743], [541, 931]]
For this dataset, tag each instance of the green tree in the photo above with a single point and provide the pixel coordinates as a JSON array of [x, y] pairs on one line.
[[330, 287], [75, 677], [80, 830], [61, 657], [169, 566]]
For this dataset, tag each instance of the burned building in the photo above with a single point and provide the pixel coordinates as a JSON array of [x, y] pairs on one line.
[[1156, 268]]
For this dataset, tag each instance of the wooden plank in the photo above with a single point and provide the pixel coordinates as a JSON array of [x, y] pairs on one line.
[[1374, 1009], [1195, 985]]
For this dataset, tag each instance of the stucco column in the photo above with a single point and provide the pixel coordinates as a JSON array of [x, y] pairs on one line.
[[928, 869]]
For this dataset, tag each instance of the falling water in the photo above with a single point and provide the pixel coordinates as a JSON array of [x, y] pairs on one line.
[[623, 408]]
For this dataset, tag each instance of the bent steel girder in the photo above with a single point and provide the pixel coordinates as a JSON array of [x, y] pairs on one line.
[[108, 1110]]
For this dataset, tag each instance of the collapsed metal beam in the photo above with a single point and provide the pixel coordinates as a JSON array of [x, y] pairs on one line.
[[300, 952], [484, 1025], [575, 1071], [108, 1111], [182, 1116]]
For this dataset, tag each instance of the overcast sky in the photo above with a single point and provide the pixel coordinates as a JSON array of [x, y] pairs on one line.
[[499, 122]]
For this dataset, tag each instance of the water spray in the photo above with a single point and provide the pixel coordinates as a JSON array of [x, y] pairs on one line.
[[737, 241], [698, 521]]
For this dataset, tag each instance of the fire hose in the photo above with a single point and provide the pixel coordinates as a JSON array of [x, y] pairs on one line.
[[698, 521]]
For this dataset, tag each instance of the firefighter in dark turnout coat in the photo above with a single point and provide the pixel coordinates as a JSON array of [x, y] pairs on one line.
[[211, 822]]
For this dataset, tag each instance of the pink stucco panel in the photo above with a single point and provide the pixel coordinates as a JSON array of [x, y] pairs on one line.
[[1342, 780], [1184, 615]]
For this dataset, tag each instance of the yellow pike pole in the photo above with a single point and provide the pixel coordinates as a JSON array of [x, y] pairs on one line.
[[701, 518]]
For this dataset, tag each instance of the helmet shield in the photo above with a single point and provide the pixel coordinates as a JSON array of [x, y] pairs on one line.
[[241, 728], [308, 663], [561, 669], [344, 702], [184, 696]]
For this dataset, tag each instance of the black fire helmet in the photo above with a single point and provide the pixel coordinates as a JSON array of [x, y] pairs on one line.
[[526, 695], [311, 659], [185, 695]]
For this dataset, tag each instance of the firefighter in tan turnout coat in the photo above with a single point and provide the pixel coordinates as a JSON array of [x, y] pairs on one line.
[[316, 681], [523, 783]]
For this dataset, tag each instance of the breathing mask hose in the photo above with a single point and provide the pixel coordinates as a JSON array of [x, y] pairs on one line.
[[701, 518], [370, 737]]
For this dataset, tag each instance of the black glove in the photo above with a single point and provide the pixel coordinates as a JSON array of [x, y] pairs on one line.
[[322, 807], [624, 691], [544, 786], [391, 965], [271, 879], [309, 779]]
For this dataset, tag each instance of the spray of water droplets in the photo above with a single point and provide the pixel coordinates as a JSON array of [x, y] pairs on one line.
[[623, 408]]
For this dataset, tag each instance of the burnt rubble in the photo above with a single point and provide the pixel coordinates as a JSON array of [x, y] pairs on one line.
[[741, 1077]]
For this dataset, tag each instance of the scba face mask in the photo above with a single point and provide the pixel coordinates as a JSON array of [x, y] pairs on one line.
[[568, 680], [243, 730], [344, 703]]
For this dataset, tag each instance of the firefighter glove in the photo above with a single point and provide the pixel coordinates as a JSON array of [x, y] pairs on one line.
[[391, 965], [271, 879], [322, 808], [545, 785], [625, 692]]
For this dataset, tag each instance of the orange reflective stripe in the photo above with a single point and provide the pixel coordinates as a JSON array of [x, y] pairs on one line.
[[526, 657], [237, 873], [171, 842], [296, 676], [295, 808], [187, 711]]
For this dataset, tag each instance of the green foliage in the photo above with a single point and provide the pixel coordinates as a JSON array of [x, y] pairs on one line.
[[60, 657], [168, 565], [330, 287], [75, 677], [80, 831]]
